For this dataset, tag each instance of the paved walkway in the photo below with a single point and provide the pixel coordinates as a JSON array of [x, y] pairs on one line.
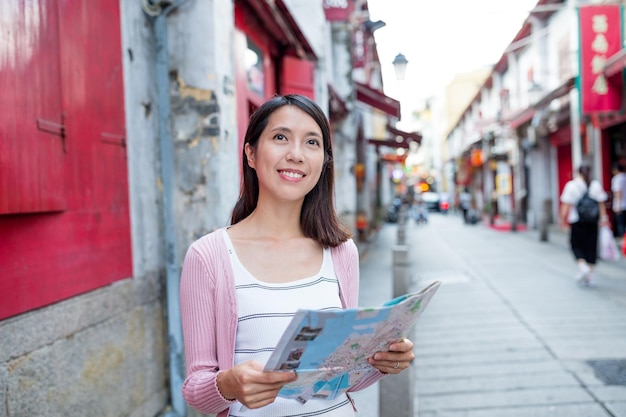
[[509, 333]]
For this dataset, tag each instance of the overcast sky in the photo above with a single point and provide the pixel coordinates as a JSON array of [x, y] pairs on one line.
[[441, 38]]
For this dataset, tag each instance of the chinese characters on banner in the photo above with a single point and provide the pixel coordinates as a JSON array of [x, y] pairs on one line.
[[359, 48], [600, 38]]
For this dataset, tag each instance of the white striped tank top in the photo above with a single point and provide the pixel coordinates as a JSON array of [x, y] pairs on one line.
[[264, 311]]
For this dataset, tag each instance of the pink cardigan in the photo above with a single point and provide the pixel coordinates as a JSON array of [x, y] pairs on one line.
[[208, 306]]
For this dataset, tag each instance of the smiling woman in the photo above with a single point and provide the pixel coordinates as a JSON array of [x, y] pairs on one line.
[[268, 131], [285, 250]]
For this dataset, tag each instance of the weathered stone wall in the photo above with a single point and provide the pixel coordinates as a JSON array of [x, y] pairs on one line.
[[99, 354], [204, 117]]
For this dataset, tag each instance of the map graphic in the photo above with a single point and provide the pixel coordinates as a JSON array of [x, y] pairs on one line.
[[329, 349]]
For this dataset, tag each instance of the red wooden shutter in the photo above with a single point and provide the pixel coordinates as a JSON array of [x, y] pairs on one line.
[[297, 77], [31, 122], [47, 257]]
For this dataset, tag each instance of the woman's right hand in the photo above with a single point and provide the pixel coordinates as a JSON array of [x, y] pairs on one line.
[[250, 385]]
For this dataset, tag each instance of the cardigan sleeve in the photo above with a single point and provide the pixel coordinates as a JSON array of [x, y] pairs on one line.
[[348, 273], [198, 316]]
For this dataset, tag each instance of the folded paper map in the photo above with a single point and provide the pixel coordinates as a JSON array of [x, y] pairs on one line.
[[329, 349]]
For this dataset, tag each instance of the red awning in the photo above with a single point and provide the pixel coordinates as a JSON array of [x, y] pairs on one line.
[[558, 92], [377, 99], [400, 139], [521, 117], [337, 107], [525, 115], [415, 137], [615, 63]]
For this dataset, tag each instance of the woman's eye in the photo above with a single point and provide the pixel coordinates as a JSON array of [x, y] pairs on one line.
[[314, 142], [280, 136]]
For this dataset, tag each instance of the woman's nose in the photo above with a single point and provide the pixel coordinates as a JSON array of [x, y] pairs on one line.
[[295, 153]]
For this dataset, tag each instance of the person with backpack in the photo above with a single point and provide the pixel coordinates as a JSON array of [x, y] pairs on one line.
[[582, 209]]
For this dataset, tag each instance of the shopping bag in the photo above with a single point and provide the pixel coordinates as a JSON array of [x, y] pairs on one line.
[[608, 250]]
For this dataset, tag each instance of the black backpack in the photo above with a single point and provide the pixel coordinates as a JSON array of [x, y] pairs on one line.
[[588, 209]]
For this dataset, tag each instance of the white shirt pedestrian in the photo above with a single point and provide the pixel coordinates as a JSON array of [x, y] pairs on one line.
[[618, 187]]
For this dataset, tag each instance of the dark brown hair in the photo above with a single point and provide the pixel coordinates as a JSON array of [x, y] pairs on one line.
[[318, 218], [585, 171]]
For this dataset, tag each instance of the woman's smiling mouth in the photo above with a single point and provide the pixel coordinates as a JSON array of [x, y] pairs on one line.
[[292, 174]]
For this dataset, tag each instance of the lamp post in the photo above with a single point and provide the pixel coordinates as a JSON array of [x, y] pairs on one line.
[[396, 395], [399, 65]]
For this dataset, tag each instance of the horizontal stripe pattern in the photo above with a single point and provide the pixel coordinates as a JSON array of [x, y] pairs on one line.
[[264, 311]]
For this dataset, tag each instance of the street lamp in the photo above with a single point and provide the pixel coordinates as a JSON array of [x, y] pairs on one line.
[[399, 65]]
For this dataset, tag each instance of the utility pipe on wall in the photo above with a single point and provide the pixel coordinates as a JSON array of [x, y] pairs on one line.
[[158, 11]]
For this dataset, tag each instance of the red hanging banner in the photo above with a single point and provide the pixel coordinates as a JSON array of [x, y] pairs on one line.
[[338, 10], [600, 38]]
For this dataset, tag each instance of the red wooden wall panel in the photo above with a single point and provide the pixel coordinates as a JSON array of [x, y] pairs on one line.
[[48, 257]]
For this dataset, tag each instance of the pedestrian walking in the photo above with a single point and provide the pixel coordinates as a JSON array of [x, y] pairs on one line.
[[618, 188], [420, 210], [582, 209], [465, 199], [284, 250]]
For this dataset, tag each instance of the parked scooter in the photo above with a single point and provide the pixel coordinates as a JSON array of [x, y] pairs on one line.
[[444, 206]]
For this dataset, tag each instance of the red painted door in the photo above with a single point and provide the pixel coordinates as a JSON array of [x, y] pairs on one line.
[[564, 166], [562, 141]]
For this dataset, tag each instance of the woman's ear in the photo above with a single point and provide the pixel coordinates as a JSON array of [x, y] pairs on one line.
[[249, 154]]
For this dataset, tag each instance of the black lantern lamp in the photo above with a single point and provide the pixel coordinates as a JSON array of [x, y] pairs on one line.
[[399, 65]]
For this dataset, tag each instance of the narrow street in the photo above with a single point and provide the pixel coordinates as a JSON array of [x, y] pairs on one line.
[[510, 332]]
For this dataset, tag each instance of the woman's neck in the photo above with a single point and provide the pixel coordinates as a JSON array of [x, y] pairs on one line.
[[277, 221]]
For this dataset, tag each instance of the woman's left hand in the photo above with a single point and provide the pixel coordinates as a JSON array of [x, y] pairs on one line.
[[397, 359]]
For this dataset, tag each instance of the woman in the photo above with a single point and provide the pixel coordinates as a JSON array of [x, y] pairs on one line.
[[285, 249], [583, 235]]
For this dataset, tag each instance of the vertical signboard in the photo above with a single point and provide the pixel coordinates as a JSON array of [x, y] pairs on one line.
[[600, 38]]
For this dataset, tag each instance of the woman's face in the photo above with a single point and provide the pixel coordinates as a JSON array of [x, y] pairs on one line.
[[289, 156]]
